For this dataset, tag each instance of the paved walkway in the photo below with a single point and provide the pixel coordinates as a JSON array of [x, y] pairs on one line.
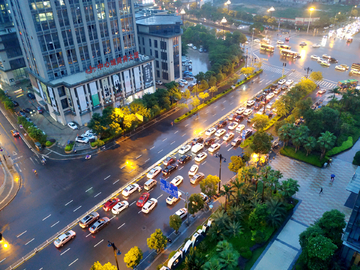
[[10, 183], [285, 249]]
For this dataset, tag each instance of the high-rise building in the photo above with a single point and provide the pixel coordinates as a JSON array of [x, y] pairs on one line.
[[82, 55], [12, 64]]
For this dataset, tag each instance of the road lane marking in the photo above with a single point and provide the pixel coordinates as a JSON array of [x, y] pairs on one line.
[[187, 125], [203, 163], [64, 252], [230, 148], [183, 135], [132, 203], [160, 151], [121, 225], [224, 101], [89, 189], [116, 181], [107, 177], [88, 235], [215, 106], [223, 109], [181, 168], [77, 208], [46, 217], [112, 218], [3, 260], [32, 160], [97, 194], [74, 262], [98, 243], [176, 132], [152, 147], [131, 170], [231, 103], [138, 157], [122, 167], [29, 241], [147, 160], [172, 143], [68, 203], [139, 212], [159, 196], [164, 139], [21, 234], [54, 224]]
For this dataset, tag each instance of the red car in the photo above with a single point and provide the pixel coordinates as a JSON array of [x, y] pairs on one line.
[[110, 204], [143, 199]]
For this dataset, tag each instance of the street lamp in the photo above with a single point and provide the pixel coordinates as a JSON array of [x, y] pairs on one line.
[[221, 157], [182, 13], [271, 10], [311, 10], [116, 252], [307, 71], [228, 3], [223, 21]]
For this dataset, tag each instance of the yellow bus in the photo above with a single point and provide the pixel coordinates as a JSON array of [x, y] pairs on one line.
[[266, 47], [288, 53]]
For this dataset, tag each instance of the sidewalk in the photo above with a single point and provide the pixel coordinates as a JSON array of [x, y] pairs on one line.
[[10, 182]]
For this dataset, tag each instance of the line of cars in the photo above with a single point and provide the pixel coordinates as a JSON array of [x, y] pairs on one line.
[[88, 136]]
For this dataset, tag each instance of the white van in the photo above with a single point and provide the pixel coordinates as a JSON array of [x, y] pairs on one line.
[[150, 184]]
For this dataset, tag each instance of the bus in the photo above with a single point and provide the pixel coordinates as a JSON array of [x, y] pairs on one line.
[[288, 53], [266, 47], [286, 47]]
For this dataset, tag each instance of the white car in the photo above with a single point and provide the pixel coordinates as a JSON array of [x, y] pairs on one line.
[[149, 205], [250, 103], [119, 207], [197, 147], [289, 82], [270, 96], [240, 110], [154, 172], [321, 91], [194, 47], [325, 63], [64, 238], [233, 125], [81, 139], [130, 189], [193, 170], [214, 147], [200, 157], [89, 133], [171, 199], [280, 42], [184, 149], [177, 180], [282, 81], [247, 112], [257, 40], [182, 213], [240, 128], [315, 57], [183, 81], [210, 131], [229, 136], [220, 132], [316, 46], [159, 82], [340, 68], [325, 56], [72, 125]]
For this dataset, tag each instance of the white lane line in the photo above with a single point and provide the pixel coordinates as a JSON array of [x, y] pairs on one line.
[[224, 101], [89, 189], [64, 252], [147, 160], [152, 147], [131, 170], [3, 260], [112, 218], [172, 143], [230, 148], [116, 181], [97, 194], [203, 163], [54, 224], [138, 157], [121, 225], [107, 177], [187, 125], [21, 234], [164, 139], [231, 103], [98, 243], [176, 132], [159, 196], [122, 167], [160, 151], [183, 135], [181, 168], [223, 109], [139, 212], [46, 217], [29, 241], [88, 235], [32, 160], [216, 106], [74, 262], [77, 208], [132, 203], [68, 203]]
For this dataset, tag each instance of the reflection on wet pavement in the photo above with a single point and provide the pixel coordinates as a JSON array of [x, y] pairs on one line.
[[200, 61]]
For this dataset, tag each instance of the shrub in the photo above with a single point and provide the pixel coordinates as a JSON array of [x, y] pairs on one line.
[[259, 237], [344, 146], [68, 148], [300, 155], [172, 253], [247, 255], [356, 160], [49, 143], [102, 142], [94, 144]]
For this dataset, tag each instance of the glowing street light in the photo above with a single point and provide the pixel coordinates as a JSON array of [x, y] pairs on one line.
[[271, 10], [311, 10], [182, 13], [223, 21], [228, 3]]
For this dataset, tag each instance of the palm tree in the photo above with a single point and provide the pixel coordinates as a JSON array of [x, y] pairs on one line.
[[213, 264], [309, 144], [220, 219], [273, 183], [194, 260], [277, 212], [223, 245], [236, 213], [285, 133], [266, 171], [326, 141], [247, 173], [229, 259], [234, 227], [289, 187], [227, 192]]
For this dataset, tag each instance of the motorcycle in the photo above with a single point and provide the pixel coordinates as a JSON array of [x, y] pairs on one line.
[[87, 156]]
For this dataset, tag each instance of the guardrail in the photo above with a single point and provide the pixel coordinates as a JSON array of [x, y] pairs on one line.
[[114, 194]]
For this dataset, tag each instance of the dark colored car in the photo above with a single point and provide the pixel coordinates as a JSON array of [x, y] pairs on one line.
[[284, 87], [27, 110], [184, 159], [169, 169], [222, 124], [197, 140], [30, 95], [248, 133], [269, 114], [267, 91], [333, 60], [239, 118], [15, 133], [15, 103], [209, 141], [40, 110], [273, 87], [22, 113], [110, 204], [259, 97], [257, 106], [232, 117], [143, 199], [169, 160]]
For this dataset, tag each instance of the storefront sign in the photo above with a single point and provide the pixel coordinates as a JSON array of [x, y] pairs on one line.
[[114, 62]]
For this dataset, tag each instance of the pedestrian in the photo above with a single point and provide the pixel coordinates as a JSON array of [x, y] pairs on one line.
[[172, 123], [321, 190], [332, 177]]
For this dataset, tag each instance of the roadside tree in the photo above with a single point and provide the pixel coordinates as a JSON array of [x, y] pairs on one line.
[[195, 203], [316, 75], [203, 95], [247, 70], [260, 121], [157, 241], [288, 188], [261, 143], [209, 185], [175, 222], [133, 257], [281, 108], [326, 141], [106, 266], [236, 163]]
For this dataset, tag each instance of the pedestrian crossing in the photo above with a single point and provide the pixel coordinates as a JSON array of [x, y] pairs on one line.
[[296, 76]]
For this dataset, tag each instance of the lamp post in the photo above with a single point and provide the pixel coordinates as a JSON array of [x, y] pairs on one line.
[[228, 3], [252, 41], [221, 157], [116, 252], [308, 69], [271, 10], [223, 21], [311, 10], [182, 13], [336, 15]]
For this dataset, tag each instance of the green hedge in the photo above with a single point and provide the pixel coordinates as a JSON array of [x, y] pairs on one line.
[[272, 122], [247, 142], [300, 155], [69, 146], [193, 111], [49, 143], [345, 145]]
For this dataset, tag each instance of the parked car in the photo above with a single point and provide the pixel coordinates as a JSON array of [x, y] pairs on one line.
[[99, 224], [40, 110], [88, 220], [72, 125], [110, 204], [64, 238], [177, 180], [119, 207], [81, 139]]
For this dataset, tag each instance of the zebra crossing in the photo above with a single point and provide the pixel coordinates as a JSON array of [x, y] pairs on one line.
[[296, 76]]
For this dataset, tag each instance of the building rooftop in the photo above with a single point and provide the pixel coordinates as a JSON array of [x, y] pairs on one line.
[[160, 20]]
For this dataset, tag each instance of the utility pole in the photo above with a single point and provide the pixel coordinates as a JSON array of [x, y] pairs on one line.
[[221, 157], [187, 207], [284, 65]]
